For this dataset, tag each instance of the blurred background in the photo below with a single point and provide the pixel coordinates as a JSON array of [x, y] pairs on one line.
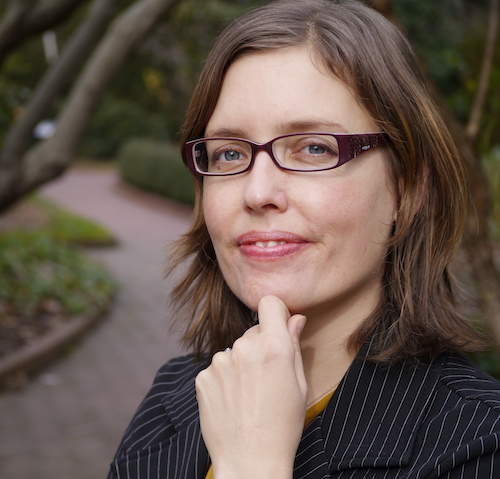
[[92, 191]]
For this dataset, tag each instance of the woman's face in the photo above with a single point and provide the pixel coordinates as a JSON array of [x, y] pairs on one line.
[[316, 240]]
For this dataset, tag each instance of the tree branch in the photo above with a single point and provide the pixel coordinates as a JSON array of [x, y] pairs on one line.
[[49, 158], [474, 123], [11, 23], [19, 137], [46, 15], [28, 17]]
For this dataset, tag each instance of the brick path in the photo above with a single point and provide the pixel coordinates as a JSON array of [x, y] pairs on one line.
[[66, 424]]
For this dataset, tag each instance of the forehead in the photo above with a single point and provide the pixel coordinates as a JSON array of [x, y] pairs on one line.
[[282, 91]]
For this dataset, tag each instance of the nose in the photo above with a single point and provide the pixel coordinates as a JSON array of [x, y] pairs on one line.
[[265, 185]]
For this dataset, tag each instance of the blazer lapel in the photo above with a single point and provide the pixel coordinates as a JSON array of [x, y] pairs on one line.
[[187, 456], [371, 418], [164, 438]]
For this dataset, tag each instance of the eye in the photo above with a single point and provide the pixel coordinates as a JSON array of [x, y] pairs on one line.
[[315, 149], [221, 151], [307, 152], [228, 155]]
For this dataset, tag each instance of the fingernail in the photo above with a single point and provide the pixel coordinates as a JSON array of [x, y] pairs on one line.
[[300, 324]]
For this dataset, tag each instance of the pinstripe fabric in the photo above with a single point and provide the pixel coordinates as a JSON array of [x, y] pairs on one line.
[[440, 420]]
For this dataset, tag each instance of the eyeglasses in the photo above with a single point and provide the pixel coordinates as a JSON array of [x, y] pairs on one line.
[[304, 152]]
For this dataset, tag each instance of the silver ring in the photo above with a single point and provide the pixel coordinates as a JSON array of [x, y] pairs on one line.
[[227, 350]]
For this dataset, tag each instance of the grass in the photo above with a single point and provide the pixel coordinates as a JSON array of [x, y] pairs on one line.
[[68, 227]]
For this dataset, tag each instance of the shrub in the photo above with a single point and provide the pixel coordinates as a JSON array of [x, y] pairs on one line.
[[34, 267], [45, 281], [114, 122], [156, 167]]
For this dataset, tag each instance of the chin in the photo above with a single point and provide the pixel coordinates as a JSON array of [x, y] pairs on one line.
[[292, 305]]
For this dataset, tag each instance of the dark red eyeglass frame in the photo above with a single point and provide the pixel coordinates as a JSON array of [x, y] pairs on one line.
[[350, 146]]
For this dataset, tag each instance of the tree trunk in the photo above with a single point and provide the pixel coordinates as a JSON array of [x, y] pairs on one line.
[[51, 157], [472, 128]]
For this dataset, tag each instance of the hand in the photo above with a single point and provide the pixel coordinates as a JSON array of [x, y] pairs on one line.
[[252, 399]]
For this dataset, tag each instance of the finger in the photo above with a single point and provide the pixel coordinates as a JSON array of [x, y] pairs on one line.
[[295, 327], [273, 315], [252, 331]]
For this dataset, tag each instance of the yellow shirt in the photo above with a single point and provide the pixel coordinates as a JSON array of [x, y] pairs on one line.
[[311, 413]]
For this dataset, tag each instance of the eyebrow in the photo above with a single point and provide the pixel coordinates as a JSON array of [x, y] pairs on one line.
[[230, 132], [312, 125], [298, 126]]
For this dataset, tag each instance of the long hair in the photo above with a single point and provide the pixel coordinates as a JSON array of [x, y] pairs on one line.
[[418, 315]]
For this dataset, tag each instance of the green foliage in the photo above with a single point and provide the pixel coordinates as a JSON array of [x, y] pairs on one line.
[[35, 267], [489, 362], [65, 226], [450, 37], [156, 167], [118, 119], [436, 30]]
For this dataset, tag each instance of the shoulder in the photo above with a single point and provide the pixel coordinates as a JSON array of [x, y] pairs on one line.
[[176, 373], [169, 406], [467, 383], [461, 427], [464, 396], [173, 387], [175, 379]]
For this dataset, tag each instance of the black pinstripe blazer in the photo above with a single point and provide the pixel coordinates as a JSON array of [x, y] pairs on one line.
[[436, 420]]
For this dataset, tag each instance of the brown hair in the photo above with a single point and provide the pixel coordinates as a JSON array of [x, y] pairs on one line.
[[417, 316]]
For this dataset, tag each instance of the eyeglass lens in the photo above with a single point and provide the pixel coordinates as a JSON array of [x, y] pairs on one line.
[[297, 152]]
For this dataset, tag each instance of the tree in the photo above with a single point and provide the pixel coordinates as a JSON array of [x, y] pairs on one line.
[[24, 165], [477, 243]]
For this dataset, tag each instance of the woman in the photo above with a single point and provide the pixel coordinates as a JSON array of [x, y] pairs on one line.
[[320, 309]]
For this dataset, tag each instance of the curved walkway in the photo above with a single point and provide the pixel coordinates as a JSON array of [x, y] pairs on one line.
[[67, 422]]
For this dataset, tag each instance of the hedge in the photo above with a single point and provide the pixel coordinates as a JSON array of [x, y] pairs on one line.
[[156, 167]]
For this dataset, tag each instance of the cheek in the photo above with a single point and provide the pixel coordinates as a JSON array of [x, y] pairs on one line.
[[361, 216], [210, 213], [216, 211]]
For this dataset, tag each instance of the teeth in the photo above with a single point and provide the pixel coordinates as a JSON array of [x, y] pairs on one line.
[[268, 244]]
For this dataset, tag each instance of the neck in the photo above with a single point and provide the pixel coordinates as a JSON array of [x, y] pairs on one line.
[[325, 354]]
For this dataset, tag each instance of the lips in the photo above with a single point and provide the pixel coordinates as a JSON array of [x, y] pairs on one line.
[[270, 245]]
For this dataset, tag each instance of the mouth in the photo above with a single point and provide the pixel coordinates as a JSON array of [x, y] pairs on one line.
[[270, 245]]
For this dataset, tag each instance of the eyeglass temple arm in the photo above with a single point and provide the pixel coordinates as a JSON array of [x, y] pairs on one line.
[[354, 145]]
